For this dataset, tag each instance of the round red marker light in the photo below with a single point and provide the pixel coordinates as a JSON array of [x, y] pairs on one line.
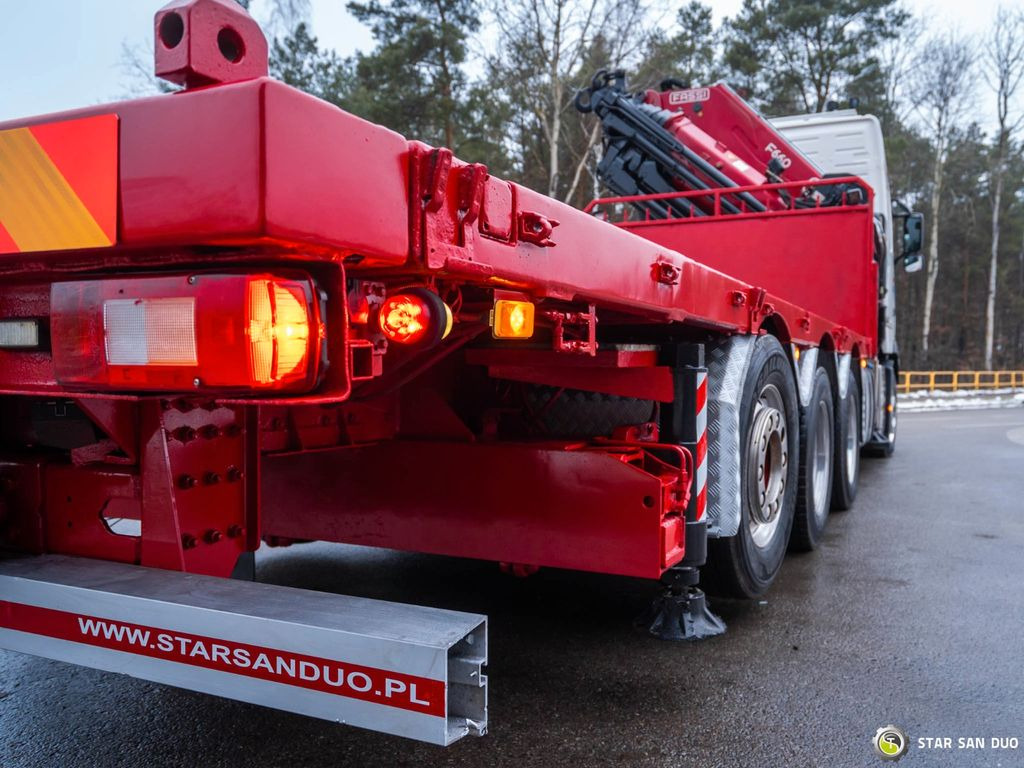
[[415, 317]]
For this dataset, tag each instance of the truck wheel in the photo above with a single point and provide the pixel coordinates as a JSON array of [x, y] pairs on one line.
[[884, 447], [816, 453], [846, 464], [745, 565]]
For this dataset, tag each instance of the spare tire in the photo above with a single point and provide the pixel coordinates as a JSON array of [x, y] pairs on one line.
[[576, 413]]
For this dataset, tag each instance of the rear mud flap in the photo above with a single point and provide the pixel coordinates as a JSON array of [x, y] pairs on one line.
[[727, 370]]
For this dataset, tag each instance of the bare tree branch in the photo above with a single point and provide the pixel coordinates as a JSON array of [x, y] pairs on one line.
[[1004, 72]]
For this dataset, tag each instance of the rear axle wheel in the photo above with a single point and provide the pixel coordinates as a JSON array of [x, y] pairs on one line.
[[847, 455], [745, 565], [817, 454]]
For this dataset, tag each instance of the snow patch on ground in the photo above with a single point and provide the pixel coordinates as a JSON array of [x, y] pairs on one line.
[[962, 400]]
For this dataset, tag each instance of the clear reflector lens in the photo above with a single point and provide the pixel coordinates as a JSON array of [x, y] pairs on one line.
[[150, 331], [22, 334]]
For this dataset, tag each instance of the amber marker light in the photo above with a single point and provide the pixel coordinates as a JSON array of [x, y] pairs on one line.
[[512, 319], [278, 331]]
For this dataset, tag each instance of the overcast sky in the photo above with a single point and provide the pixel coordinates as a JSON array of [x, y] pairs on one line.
[[59, 54]]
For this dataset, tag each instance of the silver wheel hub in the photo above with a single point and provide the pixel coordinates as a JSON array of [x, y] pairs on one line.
[[821, 460], [851, 447], [767, 460], [892, 421]]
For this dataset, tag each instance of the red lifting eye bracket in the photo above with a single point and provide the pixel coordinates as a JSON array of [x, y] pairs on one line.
[[434, 168], [588, 320], [472, 179], [536, 229], [842, 338], [754, 299], [206, 42]]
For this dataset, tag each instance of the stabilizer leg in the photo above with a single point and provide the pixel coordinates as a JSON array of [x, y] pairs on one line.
[[681, 611]]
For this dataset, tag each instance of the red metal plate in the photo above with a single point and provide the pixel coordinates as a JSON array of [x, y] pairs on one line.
[[514, 503]]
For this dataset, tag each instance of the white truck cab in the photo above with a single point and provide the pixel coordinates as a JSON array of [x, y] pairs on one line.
[[846, 143]]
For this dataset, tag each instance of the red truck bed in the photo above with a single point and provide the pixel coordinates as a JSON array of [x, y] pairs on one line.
[[256, 174]]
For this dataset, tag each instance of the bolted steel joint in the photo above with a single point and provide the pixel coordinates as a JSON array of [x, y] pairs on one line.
[[212, 536], [210, 431], [184, 434]]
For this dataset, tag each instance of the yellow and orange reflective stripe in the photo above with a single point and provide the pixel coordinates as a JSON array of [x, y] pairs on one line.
[[58, 185]]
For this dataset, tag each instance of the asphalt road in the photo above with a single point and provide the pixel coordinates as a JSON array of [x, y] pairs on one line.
[[912, 613]]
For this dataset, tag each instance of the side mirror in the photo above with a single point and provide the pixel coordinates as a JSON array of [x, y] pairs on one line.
[[913, 235], [913, 262]]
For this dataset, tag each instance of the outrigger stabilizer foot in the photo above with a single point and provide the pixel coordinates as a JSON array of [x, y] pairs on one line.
[[681, 611]]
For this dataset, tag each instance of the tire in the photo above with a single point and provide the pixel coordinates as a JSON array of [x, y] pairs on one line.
[[846, 465], [577, 414], [817, 450], [883, 448], [745, 565]]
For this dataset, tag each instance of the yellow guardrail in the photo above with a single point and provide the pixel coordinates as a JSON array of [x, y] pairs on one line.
[[953, 381]]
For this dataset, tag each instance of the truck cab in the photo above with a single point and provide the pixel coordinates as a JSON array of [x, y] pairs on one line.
[[843, 142], [846, 143]]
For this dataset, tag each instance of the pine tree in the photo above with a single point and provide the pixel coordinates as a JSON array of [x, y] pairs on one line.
[[797, 55], [297, 60], [413, 81]]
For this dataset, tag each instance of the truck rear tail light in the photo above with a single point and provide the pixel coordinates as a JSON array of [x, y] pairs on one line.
[[415, 317], [187, 332]]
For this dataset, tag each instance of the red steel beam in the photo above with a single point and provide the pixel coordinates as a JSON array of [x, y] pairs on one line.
[[536, 505]]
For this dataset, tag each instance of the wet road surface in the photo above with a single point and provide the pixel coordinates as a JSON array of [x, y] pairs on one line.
[[911, 613]]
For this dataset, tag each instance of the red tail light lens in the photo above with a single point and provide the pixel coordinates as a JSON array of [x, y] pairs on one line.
[[405, 319], [180, 333], [416, 317]]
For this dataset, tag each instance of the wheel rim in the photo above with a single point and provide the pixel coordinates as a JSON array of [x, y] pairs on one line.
[[821, 459], [767, 459], [892, 421], [852, 428]]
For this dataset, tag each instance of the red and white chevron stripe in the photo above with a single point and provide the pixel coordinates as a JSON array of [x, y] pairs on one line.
[[701, 459]]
